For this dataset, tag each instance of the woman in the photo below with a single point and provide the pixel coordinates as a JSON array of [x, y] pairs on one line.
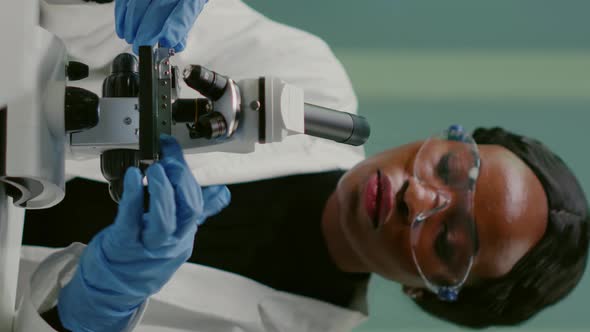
[[321, 233], [532, 230]]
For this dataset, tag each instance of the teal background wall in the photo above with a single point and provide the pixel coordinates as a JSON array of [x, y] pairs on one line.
[[419, 65]]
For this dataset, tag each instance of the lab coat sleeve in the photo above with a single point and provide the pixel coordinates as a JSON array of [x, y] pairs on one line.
[[43, 273]]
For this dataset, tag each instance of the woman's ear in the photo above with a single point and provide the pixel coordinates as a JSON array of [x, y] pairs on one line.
[[413, 292]]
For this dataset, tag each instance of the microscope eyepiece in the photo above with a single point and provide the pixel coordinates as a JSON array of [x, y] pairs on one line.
[[337, 126]]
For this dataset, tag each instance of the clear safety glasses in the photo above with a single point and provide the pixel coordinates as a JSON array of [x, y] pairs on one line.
[[443, 234]]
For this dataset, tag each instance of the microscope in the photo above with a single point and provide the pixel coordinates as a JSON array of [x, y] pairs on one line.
[[140, 102]]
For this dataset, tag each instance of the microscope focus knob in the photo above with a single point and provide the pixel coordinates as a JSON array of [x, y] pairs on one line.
[[113, 165], [76, 71], [81, 109], [124, 78]]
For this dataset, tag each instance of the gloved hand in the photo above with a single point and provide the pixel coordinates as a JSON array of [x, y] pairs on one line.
[[147, 22], [135, 256]]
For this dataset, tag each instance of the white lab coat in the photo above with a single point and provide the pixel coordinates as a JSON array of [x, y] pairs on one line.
[[233, 39]]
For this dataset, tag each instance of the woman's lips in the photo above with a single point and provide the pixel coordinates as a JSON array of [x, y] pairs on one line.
[[378, 198], [371, 199]]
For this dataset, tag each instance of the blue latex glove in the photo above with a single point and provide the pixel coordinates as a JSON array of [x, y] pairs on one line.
[[135, 256], [147, 22]]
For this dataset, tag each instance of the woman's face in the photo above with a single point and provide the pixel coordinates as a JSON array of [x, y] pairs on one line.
[[509, 209]]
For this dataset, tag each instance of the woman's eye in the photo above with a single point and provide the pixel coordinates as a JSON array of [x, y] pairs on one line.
[[443, 168], [442, 246], [403, 209]]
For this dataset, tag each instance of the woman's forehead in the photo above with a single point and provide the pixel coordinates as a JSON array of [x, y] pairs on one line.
[[510, 210]]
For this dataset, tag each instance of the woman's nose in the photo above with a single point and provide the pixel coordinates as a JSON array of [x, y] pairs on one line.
[[422, 199]]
